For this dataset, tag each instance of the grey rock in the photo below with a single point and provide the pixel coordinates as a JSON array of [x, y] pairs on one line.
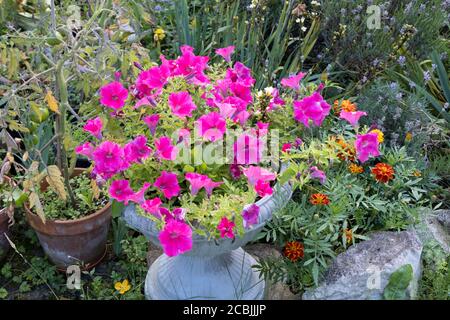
[[439, 226], [363, 271], [443, 217]]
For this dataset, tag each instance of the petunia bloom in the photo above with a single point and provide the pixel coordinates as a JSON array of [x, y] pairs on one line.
[[181, 104], [121, 191], [254, 174], [177, 214], [293, 81], [113, 95], [225, 52], [263, 188], [175, 238], [152, 206], [248, 149], [152, 122], [109, 159], [137, 150], [212, 126], [198, 181], [167, 183], [225, 227], [250, 215], [85, 149], [152, 79], [315, 173], [138, 196], [366, 145], [352, 117], [286, 147], [165, 149], [313, 107], [94, 127]]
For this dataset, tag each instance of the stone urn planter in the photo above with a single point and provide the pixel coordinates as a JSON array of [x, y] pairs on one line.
[[218, 269]]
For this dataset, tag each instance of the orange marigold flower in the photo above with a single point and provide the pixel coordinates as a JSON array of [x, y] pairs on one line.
[[348, 106], [319, 199], [294, 250], [383, 172], [417, 173], [379, 133], [355, 169], [347, 152], [348, 235]]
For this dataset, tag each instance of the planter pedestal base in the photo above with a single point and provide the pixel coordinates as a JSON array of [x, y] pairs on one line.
[[228, 276]]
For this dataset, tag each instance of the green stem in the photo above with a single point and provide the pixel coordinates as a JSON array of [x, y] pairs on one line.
[[61, 119]]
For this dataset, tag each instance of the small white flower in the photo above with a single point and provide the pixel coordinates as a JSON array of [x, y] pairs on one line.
[[304, 29]]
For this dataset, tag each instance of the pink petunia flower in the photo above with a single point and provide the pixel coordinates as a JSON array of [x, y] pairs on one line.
[[199, 181], [275, 100], [85, 149], [286, 147], [181, 104], [152, 122], [254, 174], [352, 117], [225, 52], [138, 196], [152, 79], [225, 227], [167, 183], [210, 185], [263, 188], [315, 173], [137, 150], [191, 66], [109, 159], [366, 145], [113, 95], [250, 215], [145, 101], [212, 126], [165, 149], [121, 191], [263, 128], [175, 238], [313, 107], [293, 81], [152, 206], [94, 127], [177, 214], [196, 180], [240, 73], [235, 171], [248, 149]]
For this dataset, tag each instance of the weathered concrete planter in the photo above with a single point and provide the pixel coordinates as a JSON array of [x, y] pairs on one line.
[[73, 242], [212, 269]]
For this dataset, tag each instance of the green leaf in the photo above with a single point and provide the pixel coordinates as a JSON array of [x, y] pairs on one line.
[[116, 209], [3, 293], [398, 283]]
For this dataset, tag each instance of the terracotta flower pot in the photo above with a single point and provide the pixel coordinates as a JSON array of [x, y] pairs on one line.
[[4, 229], [73, 242]]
